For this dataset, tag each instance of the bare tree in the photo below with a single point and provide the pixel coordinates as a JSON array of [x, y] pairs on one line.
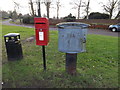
[[20, 18], [16, 6], [87, 7], [4, 14], [118, 14], [77, 5], [32, 7], [58, 7], [15, 12], [111, 7], [14, 16], [47, 4], [39, 8]]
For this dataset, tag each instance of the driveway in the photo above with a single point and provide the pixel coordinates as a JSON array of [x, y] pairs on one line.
[[90, 31]]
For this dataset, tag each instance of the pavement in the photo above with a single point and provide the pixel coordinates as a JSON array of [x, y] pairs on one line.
[[90, 31]]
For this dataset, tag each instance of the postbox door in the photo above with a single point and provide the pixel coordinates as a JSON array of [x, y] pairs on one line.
[[41, 37], [42, 31]]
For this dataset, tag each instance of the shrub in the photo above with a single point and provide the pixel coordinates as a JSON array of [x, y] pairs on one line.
[[70, 18], [28, 20], [97, 15]]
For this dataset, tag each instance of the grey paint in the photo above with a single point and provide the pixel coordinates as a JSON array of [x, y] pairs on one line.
[[72, 38]]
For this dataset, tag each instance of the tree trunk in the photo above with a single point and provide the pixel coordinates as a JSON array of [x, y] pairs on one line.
[[87, 11], [32, 8], [39, 10], [57, 12], [111, 11], [48, 8], [58, 7], [78, 12]]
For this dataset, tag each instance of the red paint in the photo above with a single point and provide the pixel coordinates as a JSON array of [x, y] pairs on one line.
[[41, 31]]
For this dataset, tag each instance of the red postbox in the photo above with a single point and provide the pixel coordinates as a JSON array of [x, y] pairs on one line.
[[42, 31]]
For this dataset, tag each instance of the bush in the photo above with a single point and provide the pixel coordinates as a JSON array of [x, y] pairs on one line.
[[70, 18], [28, 20], [97, 15]]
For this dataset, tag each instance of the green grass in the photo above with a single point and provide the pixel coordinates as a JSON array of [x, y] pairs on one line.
[[97, 68], [17, 21]]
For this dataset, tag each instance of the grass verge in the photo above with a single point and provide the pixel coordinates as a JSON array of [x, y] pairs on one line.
[[97, 68]]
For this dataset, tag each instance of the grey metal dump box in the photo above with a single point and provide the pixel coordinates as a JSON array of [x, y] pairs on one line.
[[72, 37]]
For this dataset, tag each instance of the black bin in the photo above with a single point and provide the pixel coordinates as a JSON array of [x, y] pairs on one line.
[[13, 46]]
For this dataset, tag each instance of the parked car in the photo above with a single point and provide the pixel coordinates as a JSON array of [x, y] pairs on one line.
[[115, 27]]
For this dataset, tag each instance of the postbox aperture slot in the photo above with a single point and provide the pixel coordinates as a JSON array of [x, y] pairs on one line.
[[40, 23]]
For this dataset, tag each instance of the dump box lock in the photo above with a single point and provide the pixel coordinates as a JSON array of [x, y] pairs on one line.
[[84, 40]]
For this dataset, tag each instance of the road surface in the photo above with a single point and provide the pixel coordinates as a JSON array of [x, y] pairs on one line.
[[90, 31]]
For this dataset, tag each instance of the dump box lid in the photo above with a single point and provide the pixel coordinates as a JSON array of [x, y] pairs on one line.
[[72, 25], [11, 35]]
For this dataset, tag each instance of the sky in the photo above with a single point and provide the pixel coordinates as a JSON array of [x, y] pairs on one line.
[[65, 8]]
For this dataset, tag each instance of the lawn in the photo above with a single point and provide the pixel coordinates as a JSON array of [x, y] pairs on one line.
[[97, 68]]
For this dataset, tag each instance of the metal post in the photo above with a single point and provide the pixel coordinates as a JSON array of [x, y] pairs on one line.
[[43, 47], [71, 60], [44, 59]]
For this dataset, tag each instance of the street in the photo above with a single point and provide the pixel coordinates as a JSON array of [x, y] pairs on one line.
[[90, 31]]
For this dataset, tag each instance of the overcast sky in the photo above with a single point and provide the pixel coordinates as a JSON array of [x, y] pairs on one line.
[[65, 9]]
